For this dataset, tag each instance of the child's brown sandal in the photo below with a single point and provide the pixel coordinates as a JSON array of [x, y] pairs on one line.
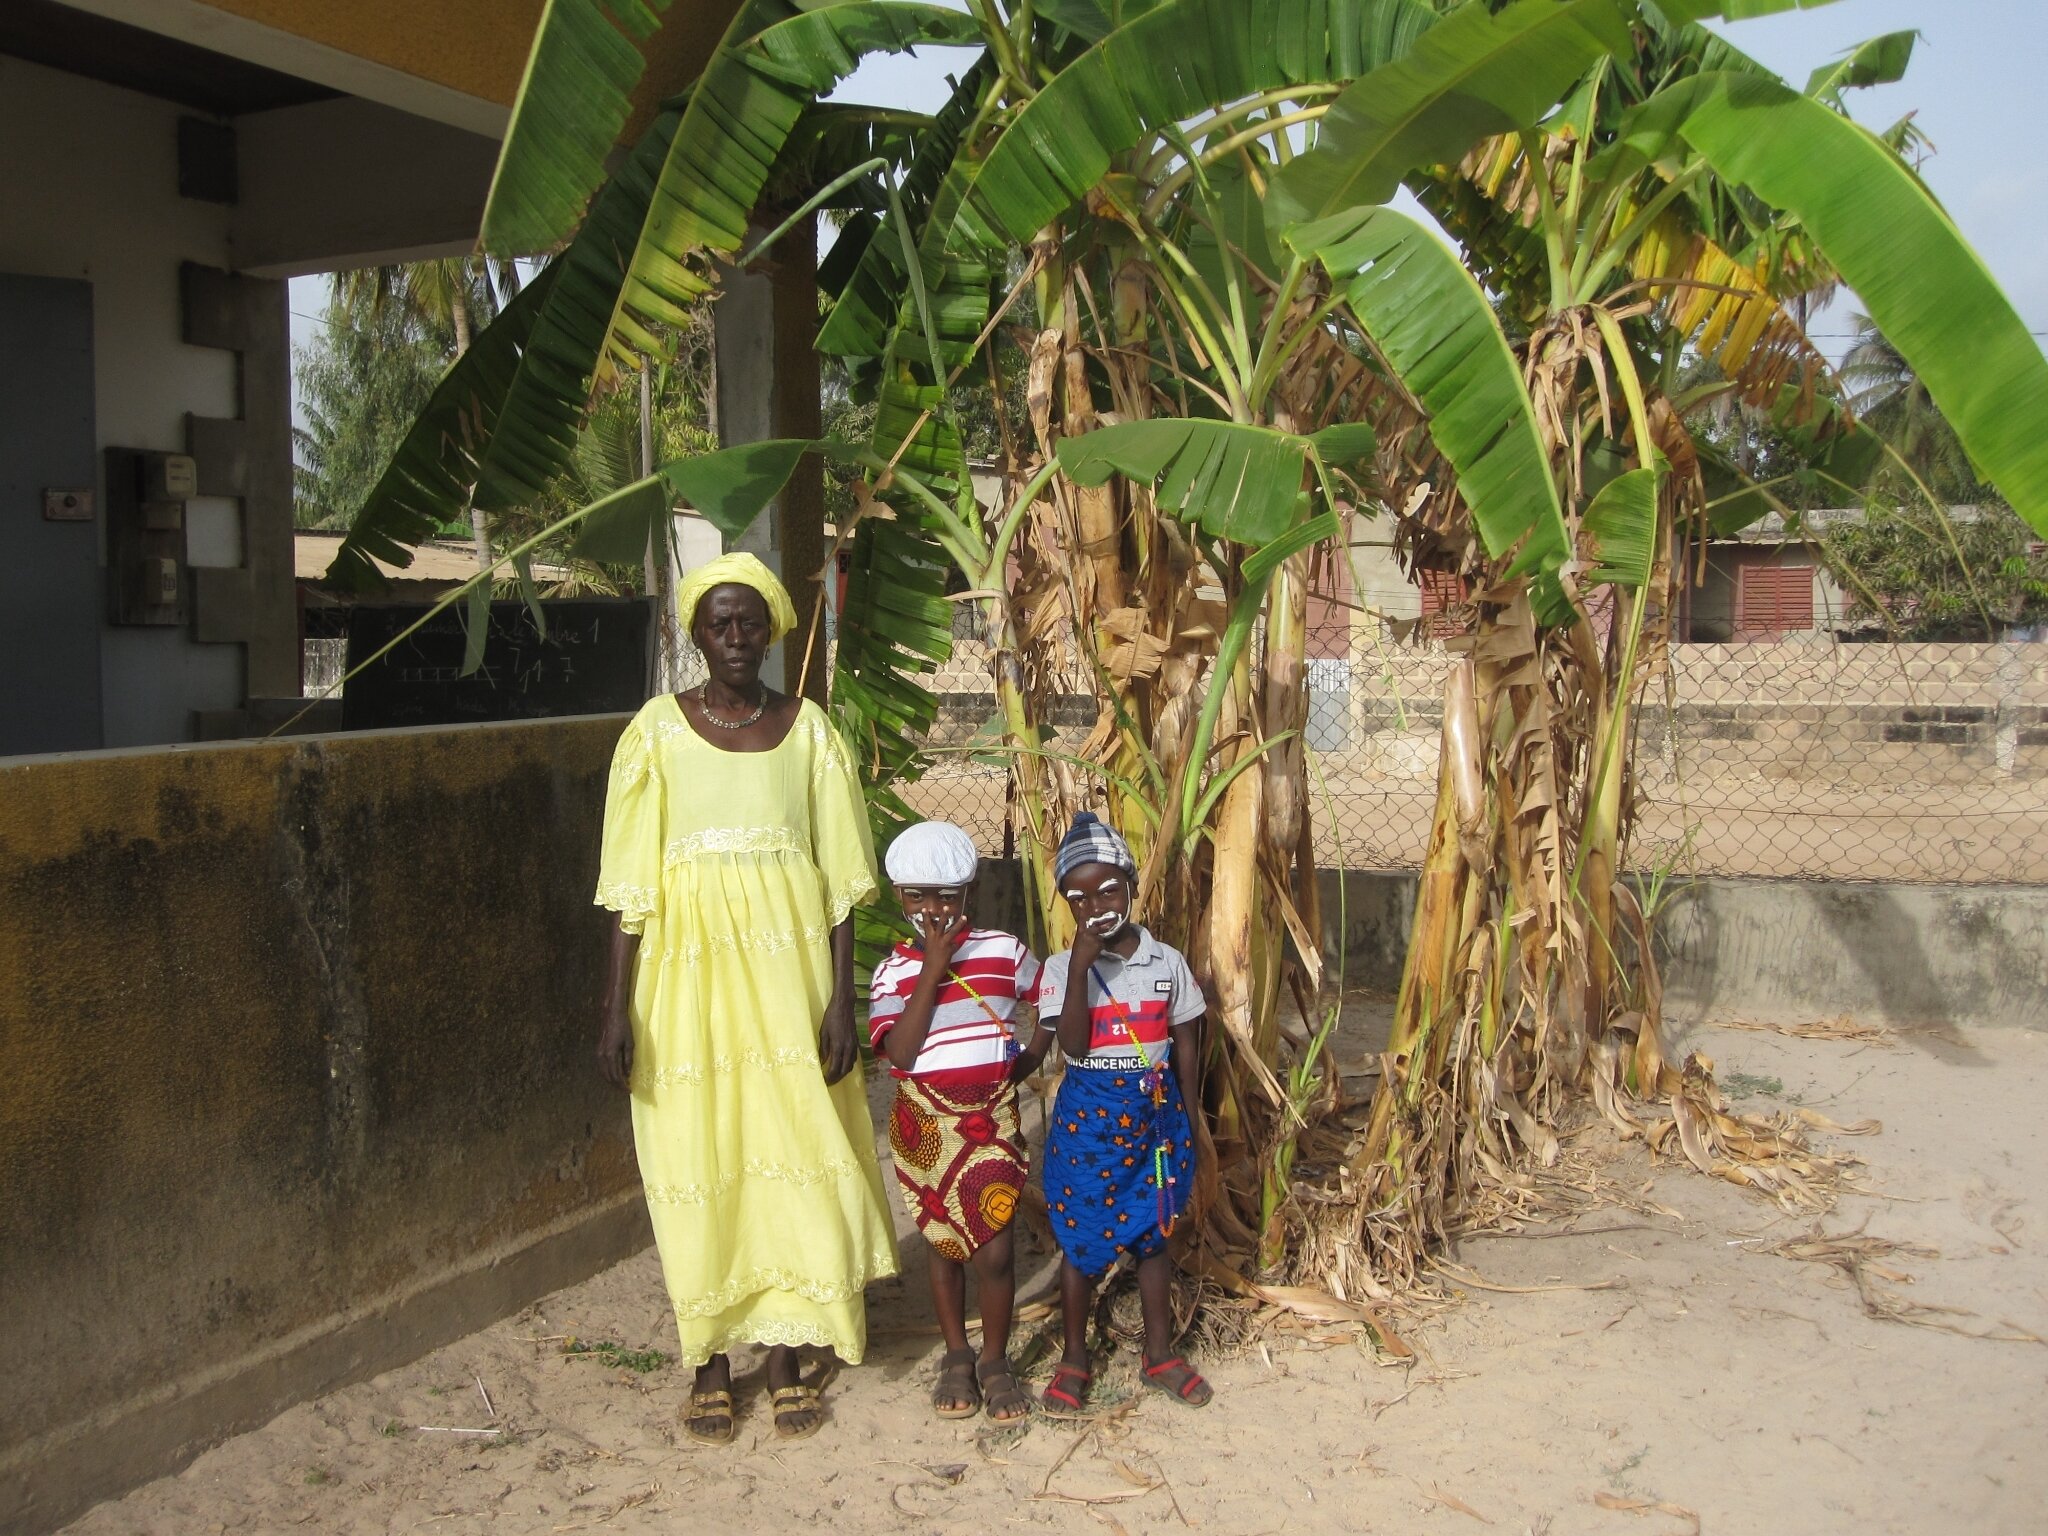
[[1058, 1396], [956, 1396], [714, 1411], [1177, 1379], [1002, 1398]]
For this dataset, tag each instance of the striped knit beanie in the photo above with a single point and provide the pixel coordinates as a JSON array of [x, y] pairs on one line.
[[1091, 841]]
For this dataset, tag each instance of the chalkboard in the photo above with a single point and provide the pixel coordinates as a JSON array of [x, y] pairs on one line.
[[593, 661]]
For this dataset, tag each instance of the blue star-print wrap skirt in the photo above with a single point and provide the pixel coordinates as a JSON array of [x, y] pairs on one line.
[[1101, 1166]]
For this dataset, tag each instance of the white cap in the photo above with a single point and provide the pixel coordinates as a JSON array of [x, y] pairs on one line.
[[932, 853]]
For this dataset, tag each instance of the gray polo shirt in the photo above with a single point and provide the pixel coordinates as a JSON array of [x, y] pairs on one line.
[[1132, 1004]]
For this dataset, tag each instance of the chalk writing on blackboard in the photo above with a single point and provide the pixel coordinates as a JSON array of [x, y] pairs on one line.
[[593, 660]]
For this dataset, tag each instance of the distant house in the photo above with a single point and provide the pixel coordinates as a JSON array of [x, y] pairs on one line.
[[1765, 584]]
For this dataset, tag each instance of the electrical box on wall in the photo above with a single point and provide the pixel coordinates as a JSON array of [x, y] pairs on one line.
[[146, 566]]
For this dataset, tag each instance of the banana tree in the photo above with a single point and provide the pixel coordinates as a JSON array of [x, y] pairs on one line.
[[1235, 347]]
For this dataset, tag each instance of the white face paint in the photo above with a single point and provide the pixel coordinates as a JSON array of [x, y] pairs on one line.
[[1104, 925]]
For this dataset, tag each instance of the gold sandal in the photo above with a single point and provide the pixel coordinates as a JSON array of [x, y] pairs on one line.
[[787, 1402], [710, 1408]]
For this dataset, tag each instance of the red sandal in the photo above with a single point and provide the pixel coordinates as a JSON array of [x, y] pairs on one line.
[[1180, 1380], [1058, 1396]]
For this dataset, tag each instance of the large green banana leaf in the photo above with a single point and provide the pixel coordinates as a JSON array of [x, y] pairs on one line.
[[546, 398], [1180, 58], [572, 105], [1232, 480], [1732, 10], [587, 57], [1929, 292], [428, 479], [1432, 323], [727, 487], [1476, 74], [776, 61], [694, 177], [868, 303]]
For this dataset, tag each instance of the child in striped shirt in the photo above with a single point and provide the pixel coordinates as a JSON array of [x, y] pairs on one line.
[[941, 1012]]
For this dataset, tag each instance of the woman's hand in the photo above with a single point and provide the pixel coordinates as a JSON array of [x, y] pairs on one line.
[[838, 1048], [615, 1036], [615, 1050]]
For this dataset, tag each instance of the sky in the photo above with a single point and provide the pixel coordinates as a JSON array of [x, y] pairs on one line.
[[1978, 63]]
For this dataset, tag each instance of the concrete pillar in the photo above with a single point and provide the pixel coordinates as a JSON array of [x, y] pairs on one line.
[[766, 323], [248, 458]]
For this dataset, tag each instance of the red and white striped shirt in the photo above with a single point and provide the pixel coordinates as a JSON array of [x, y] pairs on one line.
[[971, 1039]]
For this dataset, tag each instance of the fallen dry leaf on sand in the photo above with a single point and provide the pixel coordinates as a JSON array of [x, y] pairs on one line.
[[1842, 1028], [1647, 1507], [1452, 1501], [1856, 1254]]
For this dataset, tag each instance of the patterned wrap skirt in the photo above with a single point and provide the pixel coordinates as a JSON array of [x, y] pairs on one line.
[[960, 1160], [1105, 1149]]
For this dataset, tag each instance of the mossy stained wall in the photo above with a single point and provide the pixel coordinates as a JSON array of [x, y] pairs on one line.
[[287, 1031]]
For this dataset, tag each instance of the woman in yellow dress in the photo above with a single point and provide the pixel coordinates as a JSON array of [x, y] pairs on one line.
[[735, 850]]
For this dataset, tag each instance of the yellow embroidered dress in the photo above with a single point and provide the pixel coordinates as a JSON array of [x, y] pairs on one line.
[[734, 867]]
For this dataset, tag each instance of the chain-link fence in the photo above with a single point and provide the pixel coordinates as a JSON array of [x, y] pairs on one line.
[[1806, 758]]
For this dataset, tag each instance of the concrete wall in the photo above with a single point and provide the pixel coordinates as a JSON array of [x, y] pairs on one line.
[[295, 1078], [1790, 951], [90, 185], [1910, 955]]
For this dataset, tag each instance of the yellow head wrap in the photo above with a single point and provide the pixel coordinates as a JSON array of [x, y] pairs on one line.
[[738, 569]]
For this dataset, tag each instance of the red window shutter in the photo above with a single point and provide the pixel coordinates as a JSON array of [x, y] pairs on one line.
[[1772, 601], [1441, 592]]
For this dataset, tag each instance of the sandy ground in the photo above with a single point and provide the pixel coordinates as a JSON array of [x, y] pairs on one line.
[[1649, 1360]]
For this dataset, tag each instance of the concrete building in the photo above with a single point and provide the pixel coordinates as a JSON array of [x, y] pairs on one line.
[[170, 163], [294, 1082]]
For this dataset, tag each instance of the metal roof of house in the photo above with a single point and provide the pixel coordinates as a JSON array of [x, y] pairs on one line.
[[440, 561]]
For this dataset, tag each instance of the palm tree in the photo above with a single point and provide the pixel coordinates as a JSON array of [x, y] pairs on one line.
[[444, 298], [1887, 393], [1236, 345]]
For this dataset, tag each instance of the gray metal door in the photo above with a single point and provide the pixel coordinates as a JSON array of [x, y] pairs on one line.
[[51, 594]]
